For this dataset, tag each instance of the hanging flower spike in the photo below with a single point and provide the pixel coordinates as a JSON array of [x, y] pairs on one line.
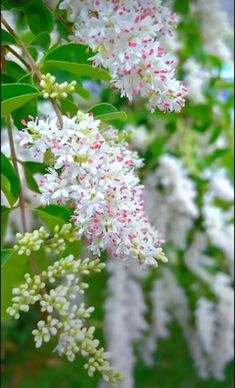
[[128, 38], [94, 170], [65, 318]]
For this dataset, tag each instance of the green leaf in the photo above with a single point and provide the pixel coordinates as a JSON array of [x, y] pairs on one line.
[[41, 41], [13, 271], [29, 108], [31, 182], [7, 78], [53, 215], [39, 19], [68, 106], [31, 168], [17, 3], [7, 39], [14, 69], [5, 253], [5, 211], [6, 188], [36, 167], [16, 95], [107, 112], [9, 173], [75, 60]]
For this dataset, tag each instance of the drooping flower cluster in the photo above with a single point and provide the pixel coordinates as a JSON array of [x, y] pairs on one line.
[[196, 78], [94, 171], [127, 38], [215, 28], [126, 316], [170, 200], [208, 329], [64, 318]]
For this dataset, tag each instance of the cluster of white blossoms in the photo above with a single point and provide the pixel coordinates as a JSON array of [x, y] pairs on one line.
[[170, 200], [196, 78], [126, 316], [94, 172], [128, 40], [215, 28], [210, 337], [61, 315]]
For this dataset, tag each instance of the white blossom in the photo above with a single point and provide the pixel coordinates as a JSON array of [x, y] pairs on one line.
[[94, 171], [128, 40]]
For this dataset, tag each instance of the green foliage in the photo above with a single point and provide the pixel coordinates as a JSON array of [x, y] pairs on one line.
[[5, 211], [6, 38], [15, 95], [107, 112], [74, 59], [10, 181], [53, 215]]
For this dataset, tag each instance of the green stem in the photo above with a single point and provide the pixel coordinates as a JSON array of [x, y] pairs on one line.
[[33, 66], [21, 196]]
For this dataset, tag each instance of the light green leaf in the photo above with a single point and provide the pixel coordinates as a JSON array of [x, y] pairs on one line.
[[16, 95]]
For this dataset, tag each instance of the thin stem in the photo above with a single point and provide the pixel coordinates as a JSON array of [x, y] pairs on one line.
[[33, 66], [61, 19], [21, 196], [57, 111], [9, 48]]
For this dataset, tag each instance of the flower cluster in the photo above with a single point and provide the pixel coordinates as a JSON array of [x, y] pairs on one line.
[[51, 89], [94, 171], [170, 200], [196, 78], [215, 28], [30, 242], [64, 317], [128, 40]]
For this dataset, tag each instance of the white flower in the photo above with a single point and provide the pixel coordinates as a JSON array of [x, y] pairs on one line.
[[215, 28], [128, 40], [95, 172], [195, 79]]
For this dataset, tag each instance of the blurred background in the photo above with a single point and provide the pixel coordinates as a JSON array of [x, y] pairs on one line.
[[170, 327]]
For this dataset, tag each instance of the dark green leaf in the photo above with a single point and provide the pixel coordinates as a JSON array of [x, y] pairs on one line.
[[29, 108], [14, 69], [7, 78], [41, 41], [40, 21], [16, 95], [9, 172], [5, 253], [4, 220], [7, 39]]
